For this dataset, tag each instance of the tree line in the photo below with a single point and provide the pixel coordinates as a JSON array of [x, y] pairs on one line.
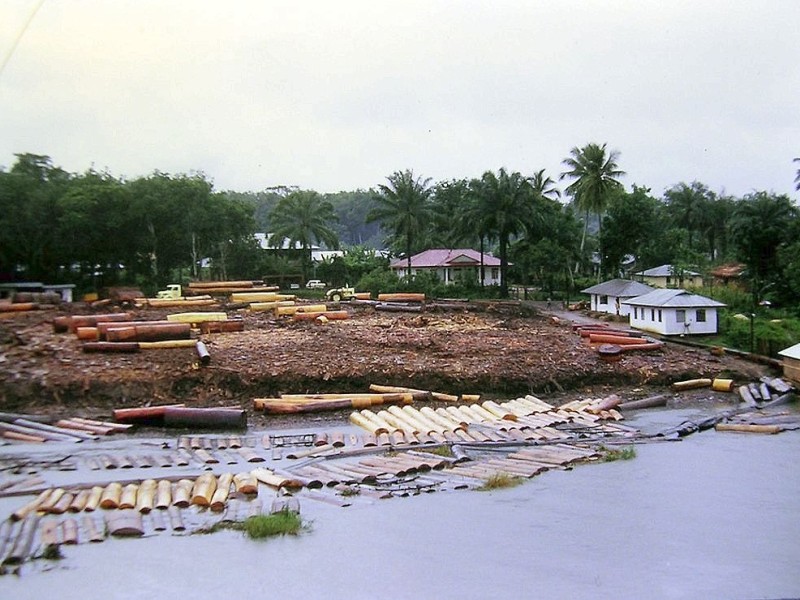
[[554, 231]]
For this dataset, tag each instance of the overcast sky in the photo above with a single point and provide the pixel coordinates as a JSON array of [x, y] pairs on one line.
[[336, 95]]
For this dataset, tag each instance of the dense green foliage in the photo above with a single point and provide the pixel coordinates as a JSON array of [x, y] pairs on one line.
[[96, 230]]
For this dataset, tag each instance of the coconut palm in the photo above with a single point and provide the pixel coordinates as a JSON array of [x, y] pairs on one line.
[[404, 208], [594, 175], [303, 218], [797, 177], [544, 186]]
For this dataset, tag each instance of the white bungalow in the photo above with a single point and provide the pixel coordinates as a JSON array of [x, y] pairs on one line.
[[669, 276], [608, 296], [451, 265], [674, 312], [790, 358]]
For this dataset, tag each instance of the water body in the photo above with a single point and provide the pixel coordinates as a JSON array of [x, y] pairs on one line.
[[713, 516]]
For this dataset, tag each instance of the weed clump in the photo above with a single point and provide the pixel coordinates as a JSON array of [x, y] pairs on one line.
[[500, 481], [610, 455]]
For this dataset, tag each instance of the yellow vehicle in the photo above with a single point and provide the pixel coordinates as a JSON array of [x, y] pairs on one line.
[[339, 294], [173, 291]]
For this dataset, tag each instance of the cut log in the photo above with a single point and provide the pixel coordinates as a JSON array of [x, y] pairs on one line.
[[149, 333], [401, 297], [691, 384], [746, 395], [87, 334], [617, 340], [124, 523], [197, 317], [746, 428], [145, 413], [203, 489], [121, 347], [203, 356], [216, 418], [167, 345], [722, 385], [220, 496], [111, 495], [650, 402]]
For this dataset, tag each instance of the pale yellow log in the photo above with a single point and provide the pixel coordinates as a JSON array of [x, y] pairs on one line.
[[203, 489], [383, 425], [442, 397], [470, 398], [283, 297], [254, 297], [93, 501], [499, 411], [167, 344], [396, 422], [267, 306], [312, 308], [474, 416], [245, 483], [517, 408], [691, 384], [747, 428], [285, 311], [543, 406], [52, 499], [414, 425], [722, 385], [79, 502], [31, 506], [436, 418], [197, 317], [220, 496], [269, 478], [182, 493], [485, 414], [128, 497], [111, 495], [146, 497], [461, 415], [429, 425], [163, 494], [450, 418], [356, 418]]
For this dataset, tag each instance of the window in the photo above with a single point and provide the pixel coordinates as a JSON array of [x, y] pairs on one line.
[[701, 315], [635, 312], [495, 273], [659, 315], [603, 299], [652, 314], [680, 315]]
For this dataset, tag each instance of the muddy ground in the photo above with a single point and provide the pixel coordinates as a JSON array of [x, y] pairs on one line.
[[497, 349]]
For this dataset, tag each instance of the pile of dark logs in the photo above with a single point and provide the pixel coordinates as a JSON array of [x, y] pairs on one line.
[[400, 302], [118, 332], [612, 343]]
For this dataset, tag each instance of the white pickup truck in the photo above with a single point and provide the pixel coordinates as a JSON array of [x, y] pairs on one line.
[[315, 284]]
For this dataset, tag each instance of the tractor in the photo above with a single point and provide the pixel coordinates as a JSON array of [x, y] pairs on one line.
[[341, 293]]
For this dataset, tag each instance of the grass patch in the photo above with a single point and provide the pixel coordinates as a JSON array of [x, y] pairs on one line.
[[612, 454], [52, 552], [349, 491], [279, 523], [500, 481], [261, 526]]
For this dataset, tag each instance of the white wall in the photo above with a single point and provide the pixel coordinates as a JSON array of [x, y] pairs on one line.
[[610, 306], [667, 323]]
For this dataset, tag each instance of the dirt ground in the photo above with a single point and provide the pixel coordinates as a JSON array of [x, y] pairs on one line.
[[498, 349]]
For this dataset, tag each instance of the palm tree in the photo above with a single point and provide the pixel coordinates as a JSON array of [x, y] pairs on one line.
[[594, 174], [506, 207], [403, 207], [303, 218], [797, 177], [544, 186]]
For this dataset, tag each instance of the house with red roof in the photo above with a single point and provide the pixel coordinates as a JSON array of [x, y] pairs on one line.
[[451, 265]]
